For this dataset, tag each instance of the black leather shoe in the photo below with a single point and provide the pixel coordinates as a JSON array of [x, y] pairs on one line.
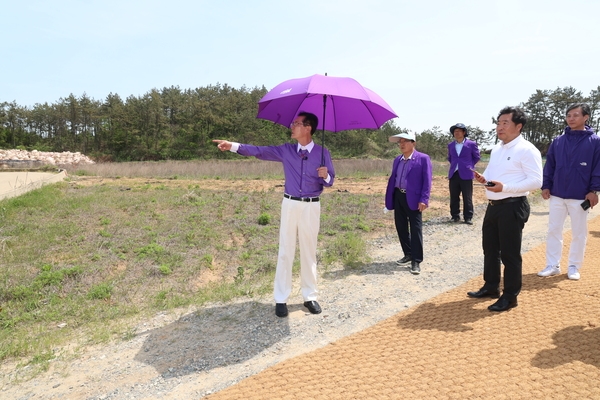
[[281, 310], [503, 304], [313, 307], [404, 260], [415, 268], [468, 222], [483, 292], [455, 219]]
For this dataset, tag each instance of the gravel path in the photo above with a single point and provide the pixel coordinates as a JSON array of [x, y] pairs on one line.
[[198, 352]]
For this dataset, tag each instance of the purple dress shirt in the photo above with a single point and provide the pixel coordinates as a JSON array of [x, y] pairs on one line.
[[301, 178], [401, 177]]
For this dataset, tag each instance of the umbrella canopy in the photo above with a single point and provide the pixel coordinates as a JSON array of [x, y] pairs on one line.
[[339, 103]]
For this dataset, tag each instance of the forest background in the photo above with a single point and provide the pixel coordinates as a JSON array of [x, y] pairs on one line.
[[179, 124]]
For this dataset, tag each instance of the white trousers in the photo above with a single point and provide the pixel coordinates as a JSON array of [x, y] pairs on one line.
[[559, 209], [299, 220]]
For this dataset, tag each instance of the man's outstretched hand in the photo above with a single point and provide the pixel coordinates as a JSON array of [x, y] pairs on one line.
[[222, 145]]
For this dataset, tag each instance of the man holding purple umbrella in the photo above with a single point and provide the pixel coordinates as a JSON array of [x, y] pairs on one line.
[[407, 194], [305, 178]]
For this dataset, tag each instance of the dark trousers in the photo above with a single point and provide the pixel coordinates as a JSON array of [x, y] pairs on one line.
[[457, 186], [409, 225], [502, 233]]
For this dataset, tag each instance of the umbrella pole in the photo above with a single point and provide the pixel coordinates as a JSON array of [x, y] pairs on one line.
[[323, 131]]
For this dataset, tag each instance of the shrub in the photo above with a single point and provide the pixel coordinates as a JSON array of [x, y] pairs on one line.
[[264, 219], [101, 291]]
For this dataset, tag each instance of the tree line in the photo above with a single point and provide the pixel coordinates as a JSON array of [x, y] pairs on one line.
[[177, 124]]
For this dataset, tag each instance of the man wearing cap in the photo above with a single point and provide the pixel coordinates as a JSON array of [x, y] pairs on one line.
[[305, 178], [407, 194], [463, 154], [514, 169]]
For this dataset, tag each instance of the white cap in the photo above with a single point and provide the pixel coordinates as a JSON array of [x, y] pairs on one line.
[[403, 135]]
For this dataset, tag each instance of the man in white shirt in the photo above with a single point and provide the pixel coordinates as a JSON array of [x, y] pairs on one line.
[[514, 169]]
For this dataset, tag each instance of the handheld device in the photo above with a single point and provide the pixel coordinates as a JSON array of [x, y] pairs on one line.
[[490, 183], [585, 205]]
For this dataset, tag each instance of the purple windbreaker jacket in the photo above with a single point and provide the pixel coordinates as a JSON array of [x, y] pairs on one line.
[[572, 167]]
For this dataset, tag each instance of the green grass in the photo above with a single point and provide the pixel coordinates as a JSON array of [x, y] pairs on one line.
[[85, 263]]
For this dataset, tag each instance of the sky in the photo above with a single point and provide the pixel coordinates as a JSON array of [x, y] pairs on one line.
[[434, 62]]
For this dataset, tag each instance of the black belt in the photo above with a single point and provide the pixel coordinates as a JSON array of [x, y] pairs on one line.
[[305, 199], [507, 200]]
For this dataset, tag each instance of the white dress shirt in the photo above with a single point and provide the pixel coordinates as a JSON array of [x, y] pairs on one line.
[[518, 165]]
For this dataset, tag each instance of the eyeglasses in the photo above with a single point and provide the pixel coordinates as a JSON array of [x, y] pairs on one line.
[[297, 123]]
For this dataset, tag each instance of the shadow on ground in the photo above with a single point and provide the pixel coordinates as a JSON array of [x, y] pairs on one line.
[[187, 345], [448, 317], [573, 343], [457, 315], [381, 268]]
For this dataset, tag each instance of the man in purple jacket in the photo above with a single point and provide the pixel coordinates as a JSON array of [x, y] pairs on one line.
[[571, 178], [305, 178], [463, 154], [407, 194]]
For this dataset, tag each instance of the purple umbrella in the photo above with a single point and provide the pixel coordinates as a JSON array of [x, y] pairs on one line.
[[340, 103]]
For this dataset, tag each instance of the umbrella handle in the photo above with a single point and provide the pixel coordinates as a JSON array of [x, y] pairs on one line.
[[323, 131]]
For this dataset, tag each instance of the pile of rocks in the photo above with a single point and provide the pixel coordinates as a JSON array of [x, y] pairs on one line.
[[43, 157]]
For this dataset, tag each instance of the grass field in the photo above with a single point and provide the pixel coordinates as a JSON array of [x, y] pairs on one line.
[[85, 260]]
